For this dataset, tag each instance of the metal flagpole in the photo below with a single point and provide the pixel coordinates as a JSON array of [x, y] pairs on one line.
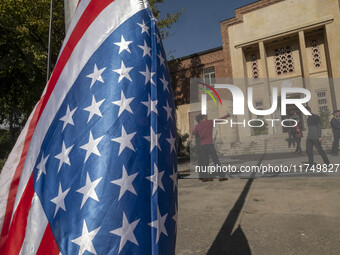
[[49, 42]]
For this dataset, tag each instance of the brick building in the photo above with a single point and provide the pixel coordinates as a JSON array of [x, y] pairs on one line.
[[270, 43]]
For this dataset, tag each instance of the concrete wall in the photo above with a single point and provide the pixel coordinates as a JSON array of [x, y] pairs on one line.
[[283, 20]]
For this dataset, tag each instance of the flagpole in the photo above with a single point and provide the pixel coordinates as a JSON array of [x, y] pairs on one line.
[[49, 42]]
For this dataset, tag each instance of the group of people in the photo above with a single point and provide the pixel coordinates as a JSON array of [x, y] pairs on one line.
[[314, 135], [203, 133]]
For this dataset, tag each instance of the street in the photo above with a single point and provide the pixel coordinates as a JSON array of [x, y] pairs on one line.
[[278, 215]]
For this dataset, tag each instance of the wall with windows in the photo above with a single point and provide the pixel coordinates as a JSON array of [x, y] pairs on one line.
[[273, 41], [209, 63], [205, 65]]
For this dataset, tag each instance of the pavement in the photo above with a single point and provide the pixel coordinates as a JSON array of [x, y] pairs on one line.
[[294, 214], [295, 165]]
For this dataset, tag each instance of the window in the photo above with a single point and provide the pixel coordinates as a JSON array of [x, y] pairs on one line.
[[322, 100], [209, 75], [284, 63], [321, 94], [316, 54], [323, 109], [254, 66], [258, 105]]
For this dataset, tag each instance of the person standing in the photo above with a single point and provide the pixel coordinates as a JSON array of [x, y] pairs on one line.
[[291, 133], [298, 137], [204, 131], [335, 124], [314, 138], [295, 116]]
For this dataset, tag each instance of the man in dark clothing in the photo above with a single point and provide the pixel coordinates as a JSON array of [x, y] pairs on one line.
[[291, 133], [204, 134], [298, 137], [335, 124], [314, 138]]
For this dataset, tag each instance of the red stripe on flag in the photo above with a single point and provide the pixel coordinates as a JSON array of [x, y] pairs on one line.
[[90, 14], [48, 245], [16, 178], [16, 234]]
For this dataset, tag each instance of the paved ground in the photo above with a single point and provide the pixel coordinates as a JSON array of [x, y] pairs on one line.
[[291, 160], [294, 215]]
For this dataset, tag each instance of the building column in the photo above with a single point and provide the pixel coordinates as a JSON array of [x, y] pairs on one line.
[[244, 132], [264, 65], [329, 69], [304, 61]]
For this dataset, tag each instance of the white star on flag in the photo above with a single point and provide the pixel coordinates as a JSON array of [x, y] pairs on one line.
[[94, 108], [123, 72], [124, 104], [88, 190], [172, 141], [126, 232], [148, 76], [145, 28], [173, 177], [96, 75], [124, 140], [151, 105], [159, 224], [146, 49], [168, 111], [67, 119], [63, 156], [161, 59], [165, 83], [125, 183], [123, 45], [91, 146], [153, 139], [85, 240], [59, 200], [156, 179], [42, 166]]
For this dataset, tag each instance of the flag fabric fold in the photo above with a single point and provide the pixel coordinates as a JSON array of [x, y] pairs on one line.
[[94, 170]]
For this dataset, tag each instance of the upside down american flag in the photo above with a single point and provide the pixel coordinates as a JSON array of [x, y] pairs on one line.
[[94, 169]]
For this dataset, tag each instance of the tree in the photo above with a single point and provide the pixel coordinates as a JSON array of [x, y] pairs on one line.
[[165, 23], [23, 49], [23, 58]]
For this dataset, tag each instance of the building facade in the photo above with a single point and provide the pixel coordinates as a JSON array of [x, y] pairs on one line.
[[273, 43]]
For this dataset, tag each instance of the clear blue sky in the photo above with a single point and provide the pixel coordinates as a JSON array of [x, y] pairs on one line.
[[198, 28]]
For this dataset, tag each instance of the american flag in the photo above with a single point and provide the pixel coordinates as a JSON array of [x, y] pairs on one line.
[[94, 170]]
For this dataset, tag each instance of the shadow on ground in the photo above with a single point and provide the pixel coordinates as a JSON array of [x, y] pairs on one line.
[[226, 241]]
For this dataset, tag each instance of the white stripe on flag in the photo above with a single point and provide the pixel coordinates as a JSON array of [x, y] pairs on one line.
[[107, 21], [35, 229], [76, 16], [9, 168]]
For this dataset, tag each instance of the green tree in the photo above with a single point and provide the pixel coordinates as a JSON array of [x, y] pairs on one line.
[[24, 28], [165, 23], [23, 49]]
